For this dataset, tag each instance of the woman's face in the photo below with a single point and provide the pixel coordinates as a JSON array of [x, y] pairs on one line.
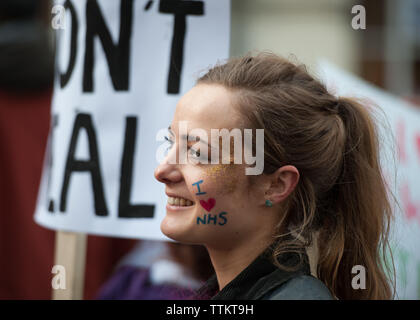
[[221, 208]]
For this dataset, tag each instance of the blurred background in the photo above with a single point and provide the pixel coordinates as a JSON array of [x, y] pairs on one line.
[[386, 53]]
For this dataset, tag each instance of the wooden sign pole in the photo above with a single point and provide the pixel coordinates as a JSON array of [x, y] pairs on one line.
[[70, 252]]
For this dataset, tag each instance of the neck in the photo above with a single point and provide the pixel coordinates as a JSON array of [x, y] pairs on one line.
[[229, 262]]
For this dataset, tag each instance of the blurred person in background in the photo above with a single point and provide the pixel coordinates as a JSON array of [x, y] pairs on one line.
[[158, 270]]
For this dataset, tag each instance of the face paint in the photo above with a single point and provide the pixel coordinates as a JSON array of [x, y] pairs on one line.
[[224, 174], [198, 187], [209, 204], [222, 216], [209, 218]]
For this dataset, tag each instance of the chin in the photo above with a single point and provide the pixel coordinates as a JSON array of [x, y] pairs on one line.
[[176, 232]]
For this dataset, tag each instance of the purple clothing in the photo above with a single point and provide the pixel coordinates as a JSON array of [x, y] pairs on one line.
[[133, 283]]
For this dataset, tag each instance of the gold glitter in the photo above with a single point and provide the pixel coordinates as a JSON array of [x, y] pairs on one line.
[[223, 173]]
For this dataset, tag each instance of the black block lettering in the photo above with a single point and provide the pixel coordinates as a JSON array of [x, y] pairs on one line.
[[65, 77], [125, 209], [118, 56], [180, 9], [84, 121]]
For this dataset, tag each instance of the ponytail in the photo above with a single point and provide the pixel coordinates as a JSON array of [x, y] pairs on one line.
[[356, 234]]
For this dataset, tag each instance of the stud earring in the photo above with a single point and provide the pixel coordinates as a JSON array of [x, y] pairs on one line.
[[268, 203]]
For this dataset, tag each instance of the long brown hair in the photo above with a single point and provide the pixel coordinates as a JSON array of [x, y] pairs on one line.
[[341, 195]]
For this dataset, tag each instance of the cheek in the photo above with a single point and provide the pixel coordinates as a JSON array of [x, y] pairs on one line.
[[212, 191], [223, 178], [214, 181]]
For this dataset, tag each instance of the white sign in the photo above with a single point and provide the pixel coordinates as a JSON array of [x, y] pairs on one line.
[[404, 121], [122, 66]]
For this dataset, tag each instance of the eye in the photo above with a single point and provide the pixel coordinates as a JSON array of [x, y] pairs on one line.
[[195, 153], [170, 143], [199, 156]]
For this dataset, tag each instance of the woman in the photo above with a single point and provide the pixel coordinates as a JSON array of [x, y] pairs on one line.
[[321, 186]]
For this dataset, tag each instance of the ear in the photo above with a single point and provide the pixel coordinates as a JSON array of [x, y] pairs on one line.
[[283, 182]]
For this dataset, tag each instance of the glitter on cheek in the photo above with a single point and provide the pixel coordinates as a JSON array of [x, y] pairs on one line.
[[224, 176]]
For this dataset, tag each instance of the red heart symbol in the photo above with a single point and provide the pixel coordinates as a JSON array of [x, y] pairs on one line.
[[209, 204]]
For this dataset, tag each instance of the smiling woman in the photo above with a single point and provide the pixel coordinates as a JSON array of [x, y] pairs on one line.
[[321, 181]]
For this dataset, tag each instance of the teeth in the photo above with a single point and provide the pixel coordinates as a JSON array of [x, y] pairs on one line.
[[179, 202]]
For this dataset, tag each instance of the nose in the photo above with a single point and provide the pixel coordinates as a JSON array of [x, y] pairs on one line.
[[168, 173]]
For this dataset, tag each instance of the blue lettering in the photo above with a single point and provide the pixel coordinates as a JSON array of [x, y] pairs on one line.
[[209, 218], [198, 187], [222, 215], [201, 220]]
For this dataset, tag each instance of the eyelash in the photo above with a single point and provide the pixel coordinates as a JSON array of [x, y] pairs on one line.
[[193, 152], [169, 140]]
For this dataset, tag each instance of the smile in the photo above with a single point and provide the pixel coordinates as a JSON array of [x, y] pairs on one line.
[[177, 201]]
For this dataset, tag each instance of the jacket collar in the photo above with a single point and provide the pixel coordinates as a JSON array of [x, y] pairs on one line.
[[259, 278]]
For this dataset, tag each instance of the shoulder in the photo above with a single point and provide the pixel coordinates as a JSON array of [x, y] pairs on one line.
[[303, 287]]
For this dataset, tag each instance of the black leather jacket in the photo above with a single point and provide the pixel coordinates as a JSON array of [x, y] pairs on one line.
[[264, 280]]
